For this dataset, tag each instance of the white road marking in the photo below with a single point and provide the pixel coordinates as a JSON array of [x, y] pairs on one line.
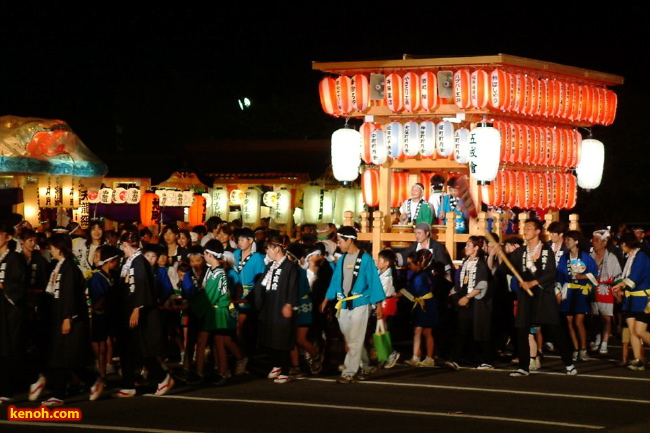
[[384, 410]]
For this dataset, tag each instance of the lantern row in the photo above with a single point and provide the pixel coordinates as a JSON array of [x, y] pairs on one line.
[[507, 92], [399, 186], [530, 190]]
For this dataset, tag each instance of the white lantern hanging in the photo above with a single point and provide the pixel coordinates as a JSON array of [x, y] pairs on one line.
[[220, 207], [427, 138], [411, 139], [317, 205], [484, 152], [461, 145], [208, 204], [345, 201], [163, 198], [590, 167], [378, 147], [445, 138], [282, 210], [105, 195], [270, 199], [133, 196], [236, 197], [395, 140], [119, 195], [251, 207], [188, 198], [92, 196], [346, 154], [298, 216]]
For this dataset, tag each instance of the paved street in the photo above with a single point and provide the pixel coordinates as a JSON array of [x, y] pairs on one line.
[[602, 397]]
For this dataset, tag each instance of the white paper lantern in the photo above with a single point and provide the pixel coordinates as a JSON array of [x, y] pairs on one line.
[[298, 216], [317, 205], [105, 195], [378, 147], [345, 201], [445, 138], [461, 145], [282, 210], [119, 195], [592, 161], [220, 207], [270, 199], [346, 154], [411, 139], [208, 204], [92, 196], [133, 196], [236, 197], [484, 152], [427, 138], [395, 139], [188, 198], [251, 207]]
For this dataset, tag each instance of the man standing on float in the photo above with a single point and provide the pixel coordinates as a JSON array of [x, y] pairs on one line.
[[416, 209], [356, 286]]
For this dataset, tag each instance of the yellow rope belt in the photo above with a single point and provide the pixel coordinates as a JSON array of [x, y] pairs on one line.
[[339, 303], [585, 288], [416, 300], [231, 306]]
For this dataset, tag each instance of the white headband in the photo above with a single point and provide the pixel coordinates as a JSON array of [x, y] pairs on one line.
[[604, 234], [313, 253], [103, 262], [215, 254], [347, 236]]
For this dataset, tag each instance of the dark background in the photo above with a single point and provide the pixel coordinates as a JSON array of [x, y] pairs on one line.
[[143, 79]]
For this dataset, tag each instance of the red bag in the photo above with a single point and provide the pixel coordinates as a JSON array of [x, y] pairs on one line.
[[389, 306]]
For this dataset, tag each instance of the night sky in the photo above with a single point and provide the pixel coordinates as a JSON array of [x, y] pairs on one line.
[[131, 79]]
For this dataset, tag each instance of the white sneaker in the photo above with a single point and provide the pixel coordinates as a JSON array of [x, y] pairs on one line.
[[534, 364], [124, 393], [36, 388], [392, 360], [52, 402], [240, 366], [584, 356], [413, 362], [571, 370], [428, 362], [96, 389], [485, 366], [274, 373], [165, 386]]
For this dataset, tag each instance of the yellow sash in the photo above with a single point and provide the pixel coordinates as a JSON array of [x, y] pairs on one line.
[[339, 303], [416, 300], [585, 288]]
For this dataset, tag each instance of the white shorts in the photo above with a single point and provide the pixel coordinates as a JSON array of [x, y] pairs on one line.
[[602, 308]]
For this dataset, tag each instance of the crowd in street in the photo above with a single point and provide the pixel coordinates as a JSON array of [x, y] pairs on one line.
[[79, 305]]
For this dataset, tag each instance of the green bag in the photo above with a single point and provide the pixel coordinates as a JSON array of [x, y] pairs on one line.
[[381, 339]]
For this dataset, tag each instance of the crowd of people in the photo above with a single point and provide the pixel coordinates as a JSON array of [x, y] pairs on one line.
[[79, 305]]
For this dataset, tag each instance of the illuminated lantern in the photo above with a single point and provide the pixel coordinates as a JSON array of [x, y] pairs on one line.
[[281, 213], [587, 107], [105, 195], [548, 146], [395, 140], [484, 151], [512, 95], [237, 197], [220, 207], [411, 82], [542, 97], [411, 139], [560, 185], [499, 89], [251, 206], [188, 198], [526, 96], [479, 88], [395, 192], [270, 199], [488, 193], [378, 147], [577, 143], [512, 188], [517, 143], [370, 187], [328, 100], [149, 209], [518, 101], [427, 139], [393, 90], [92, 196], [360, 92], [133, 196], [365, 130], [404, 187], [444, 138], [572, 191], [346, 154], [344, 95], [534, 88], [298, 216], [553, 102], [428, 91], [581, 96], [461, 145], [119, 195], [602, 106], [462, 97], [317, 205], [590, 167], [345, 201], [208, 204], [197, 211], [610, 111]]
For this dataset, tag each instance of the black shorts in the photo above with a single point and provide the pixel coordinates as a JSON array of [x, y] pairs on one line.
[[640, 316], [99, 328]]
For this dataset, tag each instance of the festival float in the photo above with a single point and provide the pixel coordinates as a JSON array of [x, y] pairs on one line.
[[516, 132]]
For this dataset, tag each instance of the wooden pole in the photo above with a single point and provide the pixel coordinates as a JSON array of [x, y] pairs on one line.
[[505, 260]]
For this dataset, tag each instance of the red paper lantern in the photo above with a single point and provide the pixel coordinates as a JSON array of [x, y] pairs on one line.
[[411, 82], [370, 187], [428, 91], [612, 102], [479, 88], [366, 129], [149, 209], [360, 92], [327, 90], [344, 95], [393, 90], [197, 211], [461, 88], [572, 191], [499, 89]]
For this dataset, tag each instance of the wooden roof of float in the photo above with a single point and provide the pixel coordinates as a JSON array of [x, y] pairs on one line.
[[506, 61]]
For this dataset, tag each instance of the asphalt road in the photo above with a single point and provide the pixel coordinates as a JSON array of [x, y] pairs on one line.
[[602, 397]]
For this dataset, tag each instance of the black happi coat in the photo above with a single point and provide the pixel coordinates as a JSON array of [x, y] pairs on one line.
[[72, 350], [276, 331], [146, 339], [11, 306], [479, 311], [542, 308], [436, 248]]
